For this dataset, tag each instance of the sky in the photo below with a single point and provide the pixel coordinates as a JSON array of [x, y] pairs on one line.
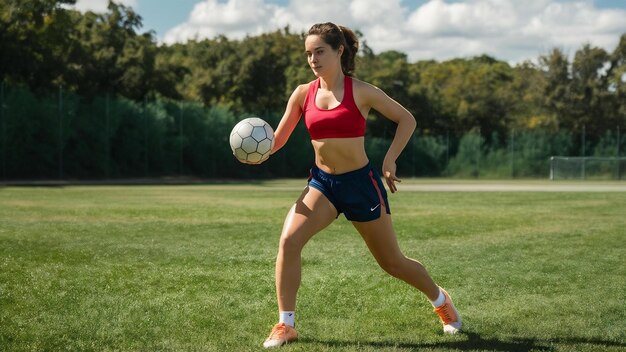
[[509, 30]]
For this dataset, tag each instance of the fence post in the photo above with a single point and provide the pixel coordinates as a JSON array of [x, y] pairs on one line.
[[513, 153], [583, 154], [4, 132], [478, 152], [618, 141], [447, 148], [145, 137], [180, 139], [413, 161], [107, 133], [619, 168], [60, 151]]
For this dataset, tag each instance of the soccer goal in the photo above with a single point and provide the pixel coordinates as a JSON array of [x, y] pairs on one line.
[[587, 168]]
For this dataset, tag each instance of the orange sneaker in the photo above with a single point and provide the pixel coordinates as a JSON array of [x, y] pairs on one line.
[[280, 335], [449, 315]]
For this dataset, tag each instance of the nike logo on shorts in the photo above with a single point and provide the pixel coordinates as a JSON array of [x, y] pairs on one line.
[[374, 208]]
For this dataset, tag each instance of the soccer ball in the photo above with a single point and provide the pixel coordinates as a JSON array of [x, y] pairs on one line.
[[252, 140]]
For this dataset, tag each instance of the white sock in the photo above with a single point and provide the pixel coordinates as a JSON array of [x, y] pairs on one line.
[[287, 317], [440, 300]]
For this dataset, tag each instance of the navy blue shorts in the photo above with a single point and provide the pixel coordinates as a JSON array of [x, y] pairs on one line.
[[359, 194]]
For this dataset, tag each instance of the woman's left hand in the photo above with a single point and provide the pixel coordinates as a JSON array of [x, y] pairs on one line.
[[389, 172]]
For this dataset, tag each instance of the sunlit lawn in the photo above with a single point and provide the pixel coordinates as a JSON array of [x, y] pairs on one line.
[[191, 268]]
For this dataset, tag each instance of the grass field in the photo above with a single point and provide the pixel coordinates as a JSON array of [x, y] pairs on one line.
[[190, 268]]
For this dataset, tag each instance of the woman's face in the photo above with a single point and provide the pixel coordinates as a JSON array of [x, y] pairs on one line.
[[321, 56]]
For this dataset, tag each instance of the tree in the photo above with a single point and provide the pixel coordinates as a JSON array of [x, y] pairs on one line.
[[33, 34], [528, 87], [617, 79], [555, 66], [470, 93], [589, 88], [109, 55]]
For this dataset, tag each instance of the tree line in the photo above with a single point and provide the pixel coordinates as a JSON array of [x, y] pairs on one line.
[[91, 95]]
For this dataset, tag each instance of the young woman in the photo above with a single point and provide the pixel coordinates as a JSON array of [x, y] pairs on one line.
[[342, 180]]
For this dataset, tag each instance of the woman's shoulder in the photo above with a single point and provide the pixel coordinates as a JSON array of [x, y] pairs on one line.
[[302, 89], [363, 88], [300, 92], [362, 85]]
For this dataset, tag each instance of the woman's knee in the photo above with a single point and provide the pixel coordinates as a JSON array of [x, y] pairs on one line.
[[290, 244], [395, 266]]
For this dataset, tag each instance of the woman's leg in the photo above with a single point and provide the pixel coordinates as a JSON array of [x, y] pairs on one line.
[[380, 238], [311, 213], [381, 241]]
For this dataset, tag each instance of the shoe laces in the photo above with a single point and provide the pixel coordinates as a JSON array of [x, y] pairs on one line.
[[446, 313], [278, 331]]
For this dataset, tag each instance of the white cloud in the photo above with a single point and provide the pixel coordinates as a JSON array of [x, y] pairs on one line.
[[101, 5], [235, 18], [570, 24], [301, 14], [506, 29]]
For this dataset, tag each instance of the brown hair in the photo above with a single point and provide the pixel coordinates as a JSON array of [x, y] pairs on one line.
[[335, 36]]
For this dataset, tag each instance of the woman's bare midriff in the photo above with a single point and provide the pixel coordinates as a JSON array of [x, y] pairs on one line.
[[340, 155]]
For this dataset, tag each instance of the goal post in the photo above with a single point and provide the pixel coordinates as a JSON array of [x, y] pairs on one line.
[[587, 168]]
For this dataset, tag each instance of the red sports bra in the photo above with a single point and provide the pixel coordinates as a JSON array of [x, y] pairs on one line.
[[342, 121]]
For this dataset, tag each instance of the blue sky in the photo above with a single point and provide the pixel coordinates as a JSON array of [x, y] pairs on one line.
[[510, 30]]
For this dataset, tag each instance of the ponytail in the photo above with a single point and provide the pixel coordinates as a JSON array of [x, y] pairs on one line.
[[348, 58]]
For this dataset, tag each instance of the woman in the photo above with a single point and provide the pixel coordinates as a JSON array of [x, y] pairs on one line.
[[334, 107]]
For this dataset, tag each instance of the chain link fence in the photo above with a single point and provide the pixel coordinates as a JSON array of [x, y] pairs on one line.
[[66, 136]]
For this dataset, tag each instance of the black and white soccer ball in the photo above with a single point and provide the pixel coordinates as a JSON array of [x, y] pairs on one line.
[[251, 140]]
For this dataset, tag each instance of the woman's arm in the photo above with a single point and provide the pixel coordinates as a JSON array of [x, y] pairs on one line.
[[395, 112], [290, 118]]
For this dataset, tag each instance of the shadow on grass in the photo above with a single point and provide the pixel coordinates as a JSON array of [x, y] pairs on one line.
[[474, 341]]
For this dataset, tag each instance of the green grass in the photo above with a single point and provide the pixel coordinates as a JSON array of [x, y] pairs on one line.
[[190, 268]]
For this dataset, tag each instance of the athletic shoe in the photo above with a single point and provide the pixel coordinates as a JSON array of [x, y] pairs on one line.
[[449, 315], [280, 335]]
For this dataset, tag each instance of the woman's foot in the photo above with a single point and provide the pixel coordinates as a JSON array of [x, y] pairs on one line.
[[280, 335], [449, 315]]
